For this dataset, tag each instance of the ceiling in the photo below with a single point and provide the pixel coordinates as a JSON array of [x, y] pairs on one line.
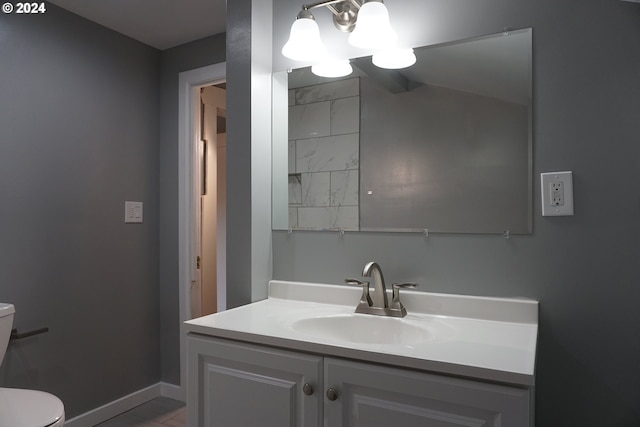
[[158, 23]]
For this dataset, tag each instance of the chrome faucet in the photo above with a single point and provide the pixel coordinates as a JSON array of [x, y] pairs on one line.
[[379, 304], [373, 270]]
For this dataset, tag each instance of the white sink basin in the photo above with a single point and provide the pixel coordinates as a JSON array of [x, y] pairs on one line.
[[478, 337], [366, 329]]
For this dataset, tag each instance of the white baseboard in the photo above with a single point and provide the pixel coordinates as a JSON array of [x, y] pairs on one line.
[[172, 391], [117, 407]]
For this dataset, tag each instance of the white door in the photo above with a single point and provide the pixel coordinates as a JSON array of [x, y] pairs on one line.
[[212, 197]]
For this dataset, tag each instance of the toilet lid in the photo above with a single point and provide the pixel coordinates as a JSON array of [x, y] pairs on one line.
[[29, 408]]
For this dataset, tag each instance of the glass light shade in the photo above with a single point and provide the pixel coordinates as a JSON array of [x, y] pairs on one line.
[[394, 58], [334, 68], [373, 29], [304, 42]]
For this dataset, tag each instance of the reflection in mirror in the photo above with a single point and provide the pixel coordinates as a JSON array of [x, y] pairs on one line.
[[444, 145]]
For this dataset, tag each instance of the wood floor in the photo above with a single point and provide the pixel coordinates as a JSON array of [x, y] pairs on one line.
[[159, 412]]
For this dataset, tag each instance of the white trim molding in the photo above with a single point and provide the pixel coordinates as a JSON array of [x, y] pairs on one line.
[[172, 391], [124, 404]]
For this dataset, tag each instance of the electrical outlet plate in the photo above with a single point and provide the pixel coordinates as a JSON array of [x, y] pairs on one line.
[[557, 193]]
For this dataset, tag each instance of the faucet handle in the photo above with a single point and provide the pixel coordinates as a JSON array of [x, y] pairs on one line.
[[396, 305], [365, 299], [396, 286]]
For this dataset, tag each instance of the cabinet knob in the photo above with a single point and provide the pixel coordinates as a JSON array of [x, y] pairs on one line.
[[332, 394], [307, 389]]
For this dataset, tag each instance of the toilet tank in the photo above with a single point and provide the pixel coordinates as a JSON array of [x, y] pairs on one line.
[[6, 322]]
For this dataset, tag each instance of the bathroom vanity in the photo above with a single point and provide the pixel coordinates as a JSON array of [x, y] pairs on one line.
[[302, 357]]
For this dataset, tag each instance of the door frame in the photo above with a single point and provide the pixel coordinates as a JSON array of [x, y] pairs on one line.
[[189, 84]]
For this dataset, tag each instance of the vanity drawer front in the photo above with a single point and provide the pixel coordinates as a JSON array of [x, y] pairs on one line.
[[378, 396], [237, 384]]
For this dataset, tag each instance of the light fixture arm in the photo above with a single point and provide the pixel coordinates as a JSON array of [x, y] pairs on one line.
[[356, 3], [345, 12]]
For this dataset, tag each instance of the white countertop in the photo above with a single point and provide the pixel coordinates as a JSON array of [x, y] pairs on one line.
[[477, 337]]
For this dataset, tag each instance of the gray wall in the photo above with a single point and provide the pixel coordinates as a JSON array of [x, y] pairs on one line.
[[78, 137], [239, 256], [248, 150], [583, 269], [200, 53]]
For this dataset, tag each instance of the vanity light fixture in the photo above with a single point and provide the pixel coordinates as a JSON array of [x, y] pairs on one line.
[[366, 20], [304, 42], [394, 58], [373, 30], [332, 68]]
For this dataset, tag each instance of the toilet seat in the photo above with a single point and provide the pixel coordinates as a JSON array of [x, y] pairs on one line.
[[30, 408]]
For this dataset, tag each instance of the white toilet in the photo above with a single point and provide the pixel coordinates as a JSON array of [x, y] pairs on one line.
[[25, 408]]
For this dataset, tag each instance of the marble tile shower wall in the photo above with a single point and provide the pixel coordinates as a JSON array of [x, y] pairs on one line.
[[324, 159]]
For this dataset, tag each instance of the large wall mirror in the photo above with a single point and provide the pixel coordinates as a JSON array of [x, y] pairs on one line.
[[444, 145]]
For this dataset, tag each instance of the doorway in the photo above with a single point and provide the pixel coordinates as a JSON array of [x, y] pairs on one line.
[[190, 84], [211, 171]]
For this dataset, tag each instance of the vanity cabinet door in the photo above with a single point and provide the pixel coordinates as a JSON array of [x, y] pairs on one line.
[[237, 384], [377, 396]]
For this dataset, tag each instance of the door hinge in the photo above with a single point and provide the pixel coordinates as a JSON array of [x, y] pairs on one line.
[[198, 262]]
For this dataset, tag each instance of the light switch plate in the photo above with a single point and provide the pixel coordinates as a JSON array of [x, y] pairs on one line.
[[557, 193], [133, 212]]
